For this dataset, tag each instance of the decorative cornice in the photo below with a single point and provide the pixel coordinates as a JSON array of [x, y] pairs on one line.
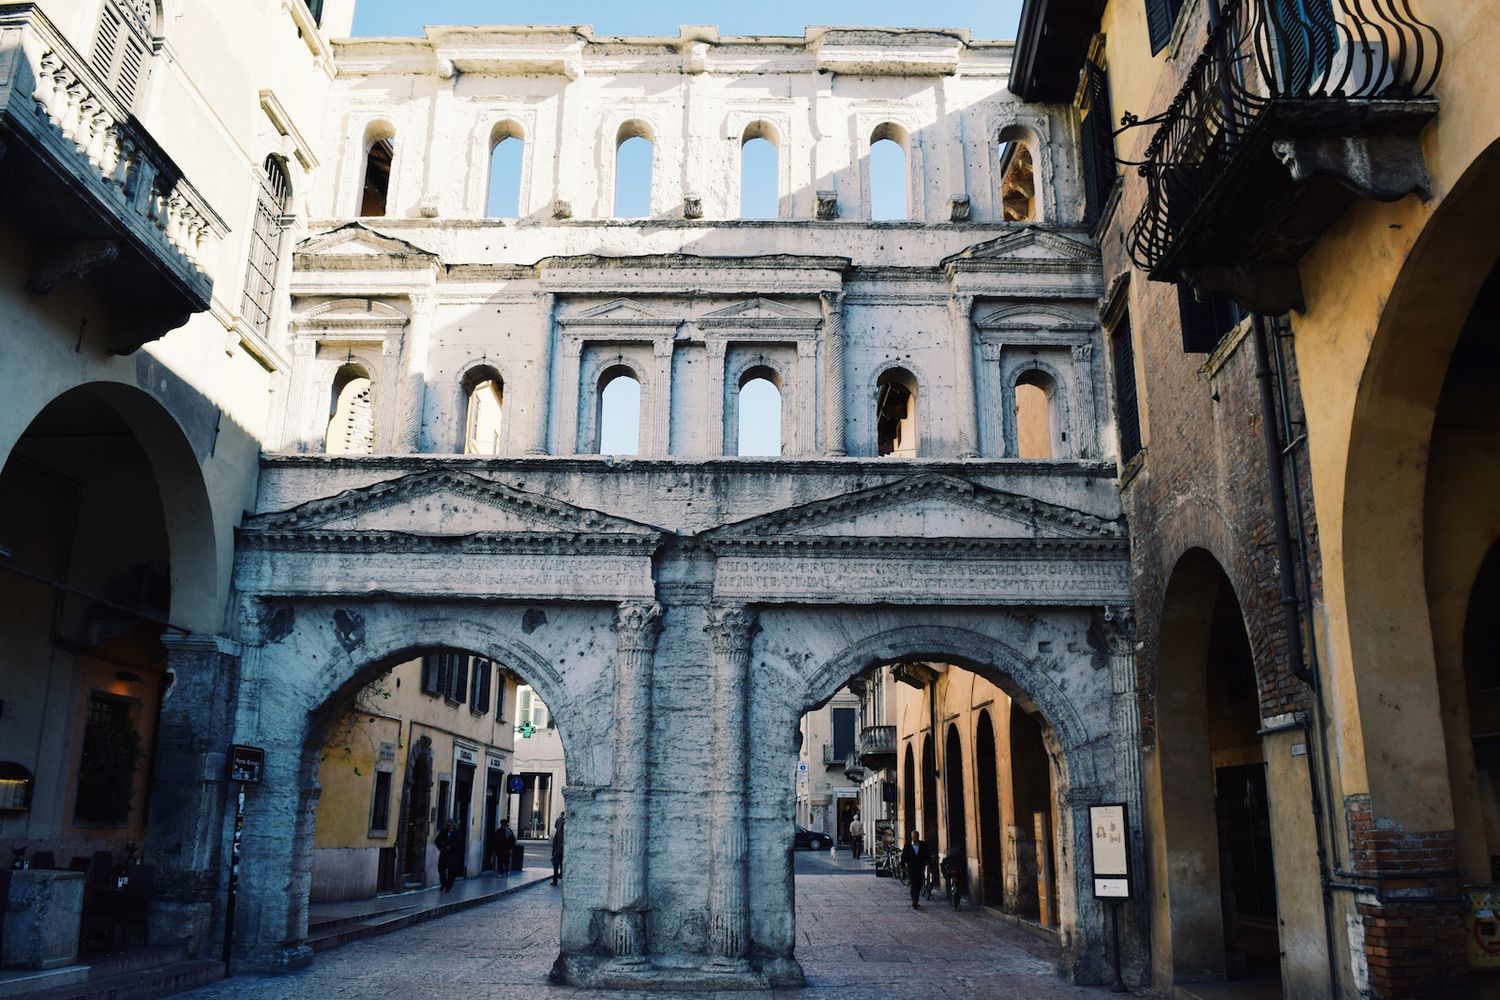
[[474, 543]]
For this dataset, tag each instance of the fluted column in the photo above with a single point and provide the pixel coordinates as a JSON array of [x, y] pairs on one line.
[[1119, 628], [636, 626], [965, 416], [833, 373], [541, 395], [413, 389], [730, 629]]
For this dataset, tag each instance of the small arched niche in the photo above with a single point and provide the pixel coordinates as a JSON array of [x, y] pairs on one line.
[[759, 171], [1017, 159], [759, 419], [507, 153], [1035, 420], [896, 413], [635, 150], [890, 180], [375, 176], [619, 408], [484, 419], [351, 413]]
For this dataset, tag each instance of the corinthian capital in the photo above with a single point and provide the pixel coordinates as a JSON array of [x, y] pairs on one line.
[[637, 624], [1119, 629], [731, 627]]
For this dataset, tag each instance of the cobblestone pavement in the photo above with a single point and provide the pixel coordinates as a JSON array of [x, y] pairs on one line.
[[857, 938]]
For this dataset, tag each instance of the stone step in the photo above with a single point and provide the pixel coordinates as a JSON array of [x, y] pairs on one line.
[[319, 927], [142, 984], [394, 920], [122, 963]]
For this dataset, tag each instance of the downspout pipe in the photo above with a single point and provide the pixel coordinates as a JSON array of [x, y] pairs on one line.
[[1290, 608]]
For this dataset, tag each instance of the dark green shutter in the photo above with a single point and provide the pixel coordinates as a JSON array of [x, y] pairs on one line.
[[1127, 411], [1205, 322], [430, 673], [1161, 17]]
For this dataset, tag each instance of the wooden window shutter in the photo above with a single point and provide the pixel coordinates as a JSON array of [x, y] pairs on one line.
[[122, 49], [430, 674], [1161, 18], [1205, 321], [1127, 409]]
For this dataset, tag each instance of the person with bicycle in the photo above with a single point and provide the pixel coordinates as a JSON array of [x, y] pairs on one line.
[[917, 859]]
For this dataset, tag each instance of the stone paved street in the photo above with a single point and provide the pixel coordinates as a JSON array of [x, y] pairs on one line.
[[857, 938]]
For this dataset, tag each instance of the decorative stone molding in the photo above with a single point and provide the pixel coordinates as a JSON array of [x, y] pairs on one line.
[[835, 420], [636, 626], [827, 206]]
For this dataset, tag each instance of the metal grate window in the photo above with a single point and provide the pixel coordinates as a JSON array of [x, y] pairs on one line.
[[265, 246], [123, 45], [1127, 410]]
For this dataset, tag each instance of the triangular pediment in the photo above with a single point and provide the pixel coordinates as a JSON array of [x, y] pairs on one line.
[[929, 506], [357, 240], [759, 309], [447, 502], [624, 311], [1030, 244]]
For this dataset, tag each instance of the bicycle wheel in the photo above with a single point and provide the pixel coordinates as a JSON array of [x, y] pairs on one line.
[[902, 874], [931, 885], [953, 893]]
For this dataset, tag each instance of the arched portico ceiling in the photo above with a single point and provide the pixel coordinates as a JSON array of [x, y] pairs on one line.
[[957, 543]]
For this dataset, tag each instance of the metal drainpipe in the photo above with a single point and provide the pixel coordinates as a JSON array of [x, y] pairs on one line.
[[1291, 615]]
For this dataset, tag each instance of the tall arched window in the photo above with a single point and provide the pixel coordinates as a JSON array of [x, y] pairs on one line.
[[759, 190], [351, 417], [1017, 178], [272, 199], [122, 49], [485, 393], [375, 182], [1034, 417], [890, 187], [896, 413], [634, 150], [619, 412], [759, 430], [507, 147]]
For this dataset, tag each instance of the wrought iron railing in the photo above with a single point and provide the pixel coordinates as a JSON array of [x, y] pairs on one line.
[[1260, 53]]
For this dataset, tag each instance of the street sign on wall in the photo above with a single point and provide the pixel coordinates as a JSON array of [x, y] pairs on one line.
[[246, 764]]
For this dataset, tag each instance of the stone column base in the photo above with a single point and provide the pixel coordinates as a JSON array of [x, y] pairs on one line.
[[671, 974]]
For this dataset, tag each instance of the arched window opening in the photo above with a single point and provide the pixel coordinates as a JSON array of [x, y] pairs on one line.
[[759, 191], [1034, 416], [1017, 181], [506, 153], [375, 188], [760, 413], [1481, 654], [634, 151], [351, 414], [122, 49], [619, 412], [271, 204], [485, 392], [953, 777], [896, 413], [890, 191]]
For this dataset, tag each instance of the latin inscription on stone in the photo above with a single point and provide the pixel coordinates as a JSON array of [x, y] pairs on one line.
[[455, 574], [922, 581]]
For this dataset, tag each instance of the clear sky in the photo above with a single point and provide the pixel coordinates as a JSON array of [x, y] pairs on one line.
[[987, 18]]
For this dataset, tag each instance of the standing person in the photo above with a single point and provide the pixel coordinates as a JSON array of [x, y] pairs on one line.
[[856, 835], [507, 846], [916, 857], [557, 849], [450, 847]]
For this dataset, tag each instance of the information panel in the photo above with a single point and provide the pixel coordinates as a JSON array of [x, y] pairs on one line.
[[1109, 836]]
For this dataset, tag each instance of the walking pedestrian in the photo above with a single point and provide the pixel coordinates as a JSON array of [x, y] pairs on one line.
[[557, 849], [916, 858], [507, 846], [857, 835], [450, 848]]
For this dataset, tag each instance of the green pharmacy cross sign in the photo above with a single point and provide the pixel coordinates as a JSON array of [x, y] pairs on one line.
[[527, 729]]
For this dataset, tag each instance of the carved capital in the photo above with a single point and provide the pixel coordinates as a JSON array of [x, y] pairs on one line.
[[1083, 353], [637, 623], [731, 627], [828, 205], [1119, 629]]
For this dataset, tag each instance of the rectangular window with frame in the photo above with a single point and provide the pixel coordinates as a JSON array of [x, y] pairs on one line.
[[500, 694], [1127, 408], [457, 688], [479, 700], [1205, 320], [430, 670], [108, 762], [380, 805]]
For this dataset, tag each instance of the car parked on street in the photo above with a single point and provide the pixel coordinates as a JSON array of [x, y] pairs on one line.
[[807, 840]]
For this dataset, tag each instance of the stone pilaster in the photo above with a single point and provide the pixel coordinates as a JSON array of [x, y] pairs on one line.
[[833, 374], [965, 415], [184, 839], [636, 626], [413, 390], [731, 629], [536, 428], [1119, 627]]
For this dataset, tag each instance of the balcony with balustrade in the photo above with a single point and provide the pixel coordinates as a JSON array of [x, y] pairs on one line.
[[1283, 121], [877, 747], [99, 195]]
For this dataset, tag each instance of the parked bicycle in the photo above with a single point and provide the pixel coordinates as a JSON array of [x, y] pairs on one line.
[[956, 873]]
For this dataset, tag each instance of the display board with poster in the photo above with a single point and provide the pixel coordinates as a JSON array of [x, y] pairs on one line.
[[1482, 923], [1109, 836]]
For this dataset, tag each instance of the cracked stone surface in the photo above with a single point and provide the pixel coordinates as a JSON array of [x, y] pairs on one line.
[[856, 937]]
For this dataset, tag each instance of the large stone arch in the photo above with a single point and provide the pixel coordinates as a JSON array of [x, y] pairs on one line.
[[320, 653], [804, 655]]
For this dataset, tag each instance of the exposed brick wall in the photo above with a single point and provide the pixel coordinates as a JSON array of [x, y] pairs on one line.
[[1413, 912]]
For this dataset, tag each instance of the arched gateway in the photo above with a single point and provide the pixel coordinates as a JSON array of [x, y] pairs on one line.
[[677, 643]]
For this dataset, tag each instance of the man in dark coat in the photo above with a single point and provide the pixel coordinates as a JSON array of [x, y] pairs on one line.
[[557, 850], [507, 848], [916, 858], [450, 848]]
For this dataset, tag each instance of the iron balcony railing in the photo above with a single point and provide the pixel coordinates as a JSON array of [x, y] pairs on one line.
[[1262, 54]]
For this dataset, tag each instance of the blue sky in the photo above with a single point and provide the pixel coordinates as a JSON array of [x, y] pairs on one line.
[[987, 18]]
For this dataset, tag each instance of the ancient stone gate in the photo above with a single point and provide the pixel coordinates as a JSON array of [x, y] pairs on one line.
[[679, 617]]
